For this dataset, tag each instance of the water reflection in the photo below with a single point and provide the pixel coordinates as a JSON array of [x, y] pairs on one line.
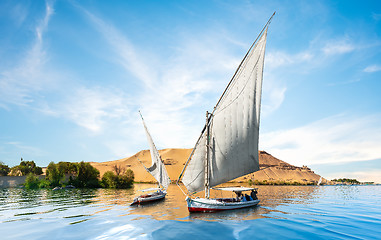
[[285, 212], [287, 194], [173, 207], [346, 192], [19, 198]]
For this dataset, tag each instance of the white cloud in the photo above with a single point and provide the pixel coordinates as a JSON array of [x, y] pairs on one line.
[[282, 68], [190, 84], [372, 68], [273, 97], [19, 12], [336, 139], [44, 23], [277, 59], [274, 86], [337, 47], [22, 150], [174, 87], [168, 94], [20, 84], [127, 55], [93, 108]]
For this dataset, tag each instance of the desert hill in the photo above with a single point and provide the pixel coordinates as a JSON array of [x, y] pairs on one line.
[[271, 169], [277, 171]]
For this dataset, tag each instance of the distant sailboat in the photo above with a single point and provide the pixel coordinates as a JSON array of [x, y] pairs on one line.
[[319, 182], [228, 145], [157, 170]]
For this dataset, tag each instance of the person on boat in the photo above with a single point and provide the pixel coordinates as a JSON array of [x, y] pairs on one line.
[[248, 198], [239, 196], [253, 194]]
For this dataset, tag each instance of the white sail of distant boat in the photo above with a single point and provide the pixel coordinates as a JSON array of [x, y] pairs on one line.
[[157, 170], [319, 182], [228, 145]]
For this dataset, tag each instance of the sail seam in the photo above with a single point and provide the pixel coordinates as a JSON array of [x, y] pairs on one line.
[[243, 88]]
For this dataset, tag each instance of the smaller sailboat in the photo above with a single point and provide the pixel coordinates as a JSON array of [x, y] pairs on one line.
[[158, 171], [320, 179]]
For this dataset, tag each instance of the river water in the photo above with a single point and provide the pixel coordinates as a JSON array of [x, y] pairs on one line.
[[285, 212]]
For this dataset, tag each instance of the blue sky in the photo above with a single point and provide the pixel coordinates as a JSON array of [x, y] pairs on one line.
[[73, 75]]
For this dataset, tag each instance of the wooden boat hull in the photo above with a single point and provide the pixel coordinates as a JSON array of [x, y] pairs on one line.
[[215, 205], [148, 198]]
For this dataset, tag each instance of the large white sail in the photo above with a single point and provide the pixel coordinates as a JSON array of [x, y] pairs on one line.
[[157, 169], [234, 127]]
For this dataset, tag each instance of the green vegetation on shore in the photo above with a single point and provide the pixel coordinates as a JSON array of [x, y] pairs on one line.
[[79, 175], [69, 174], [25, 168], [4, 169], [32, 182], [346, 180], [123, 180]]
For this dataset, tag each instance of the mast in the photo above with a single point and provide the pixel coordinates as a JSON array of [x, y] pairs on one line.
[[230, 125], [207, 170]]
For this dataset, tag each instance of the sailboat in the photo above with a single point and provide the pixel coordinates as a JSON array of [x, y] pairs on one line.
[[157, 170], [228, 145], [320, 180]]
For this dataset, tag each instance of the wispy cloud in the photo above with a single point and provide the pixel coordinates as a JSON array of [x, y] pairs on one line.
[[372, 68], [273, 96], [338, 47], [92, 108], [339, 138], [19, 13], [344, 82], [181, 88], [275, 85], [44, 23], [360, 170], [174, 87], [283, 67], [277, 59], [22, 149], [20, 84], [88, 107], [123, 49]]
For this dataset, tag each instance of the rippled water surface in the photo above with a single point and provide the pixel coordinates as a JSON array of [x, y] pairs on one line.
[[285, 212]]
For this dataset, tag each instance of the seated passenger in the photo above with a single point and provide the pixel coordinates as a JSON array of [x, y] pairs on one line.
[[239, 196], [247, 197]]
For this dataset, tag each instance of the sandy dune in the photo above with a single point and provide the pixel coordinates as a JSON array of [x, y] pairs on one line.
[[272, 169]]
